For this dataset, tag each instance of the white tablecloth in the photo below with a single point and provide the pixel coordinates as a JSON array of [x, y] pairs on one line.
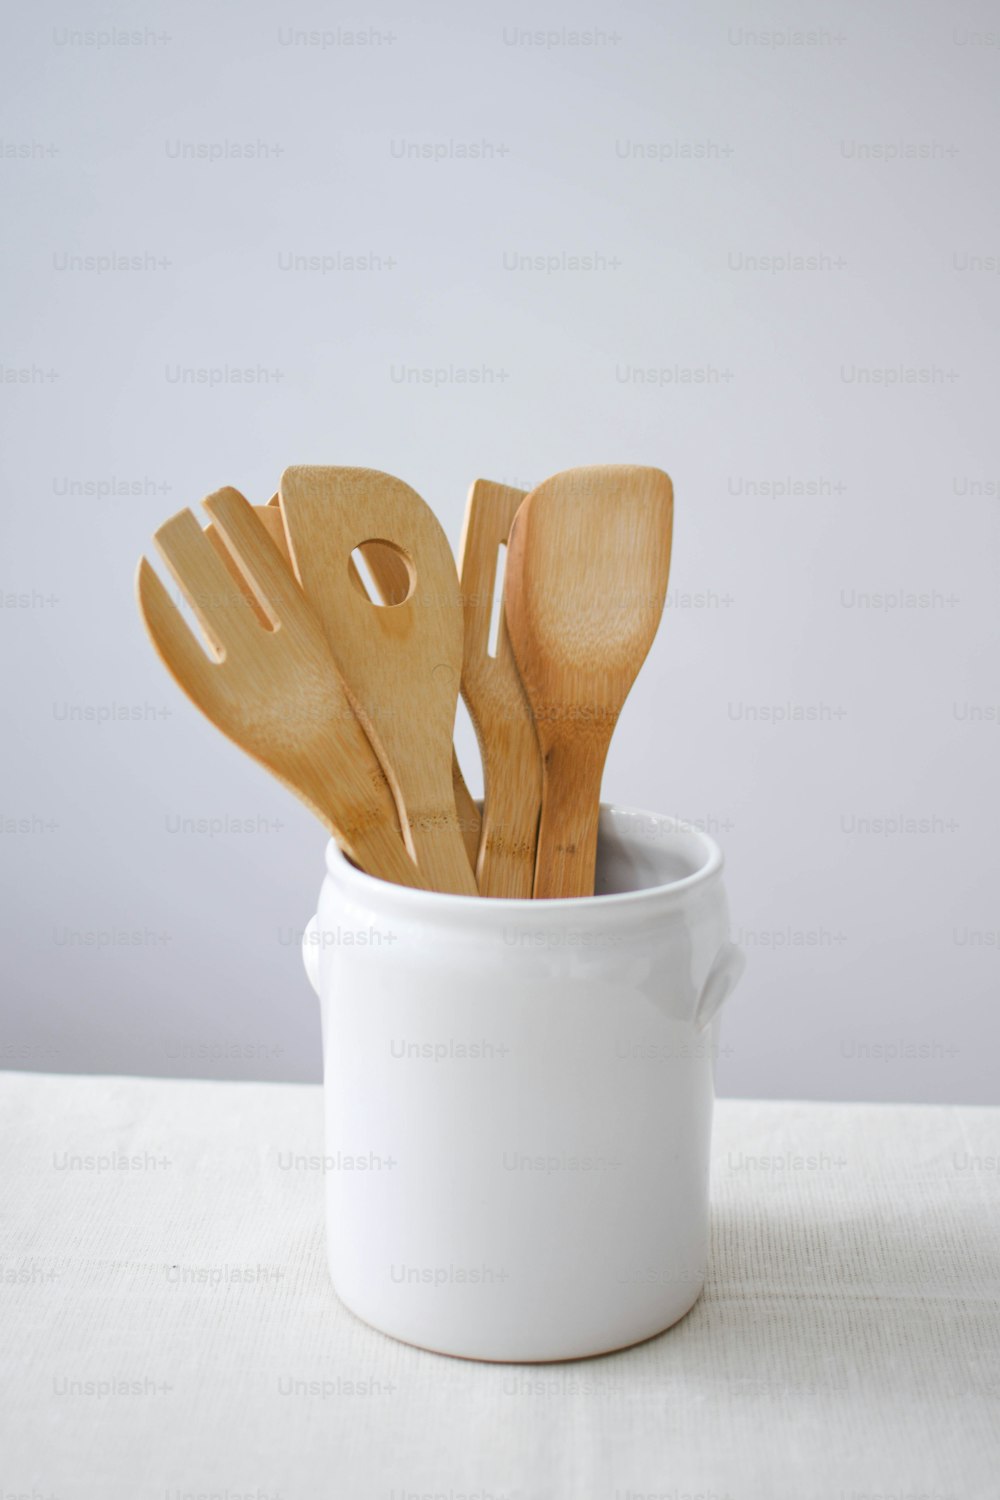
[[168, 1329]]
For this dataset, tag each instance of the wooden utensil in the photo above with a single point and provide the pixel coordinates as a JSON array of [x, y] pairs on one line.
[[392, 579], [401, 663], [498, 706], [587, 571], [275, 691]]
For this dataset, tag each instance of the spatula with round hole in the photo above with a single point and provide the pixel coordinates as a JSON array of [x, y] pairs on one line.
[[587, 570], [392, 580], [401, 663]]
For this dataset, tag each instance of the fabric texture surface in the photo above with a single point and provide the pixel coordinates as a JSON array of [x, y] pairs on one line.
[[168, 1328]]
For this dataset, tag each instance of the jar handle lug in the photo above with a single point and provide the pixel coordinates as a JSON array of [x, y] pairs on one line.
[[722, 979], [310, 952]]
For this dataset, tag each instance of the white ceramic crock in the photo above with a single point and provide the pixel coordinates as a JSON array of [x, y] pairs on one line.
[[518, 1098]]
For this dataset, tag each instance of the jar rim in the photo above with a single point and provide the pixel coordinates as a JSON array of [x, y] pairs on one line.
[[615, 821]]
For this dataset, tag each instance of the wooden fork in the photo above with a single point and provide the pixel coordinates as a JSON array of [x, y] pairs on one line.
[[274, 691]]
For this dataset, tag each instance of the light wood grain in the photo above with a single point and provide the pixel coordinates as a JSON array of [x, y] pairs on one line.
[[498, 707], [272, 686], [469, 820], [587, 572], [274, 526], [392, 580], [401, 664]]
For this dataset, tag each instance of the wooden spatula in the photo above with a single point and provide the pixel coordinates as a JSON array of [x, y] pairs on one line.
[[587, 571], [498, 707], [391, 577], [401, 663], [273, 687]]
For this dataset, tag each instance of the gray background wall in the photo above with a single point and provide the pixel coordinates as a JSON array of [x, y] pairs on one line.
[[826, 669]]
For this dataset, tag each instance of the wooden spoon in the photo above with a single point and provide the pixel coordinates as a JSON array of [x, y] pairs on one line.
[[401, 663], [392, 579], [587, 571], [498, 707], [272, 686]]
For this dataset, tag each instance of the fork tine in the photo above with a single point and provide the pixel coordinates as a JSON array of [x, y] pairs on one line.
[[235, 572], [176, 645], [257, 555], [271, 519], [206, 582]]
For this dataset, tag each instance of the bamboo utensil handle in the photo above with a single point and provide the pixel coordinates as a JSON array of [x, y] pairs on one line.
[[498, 707]]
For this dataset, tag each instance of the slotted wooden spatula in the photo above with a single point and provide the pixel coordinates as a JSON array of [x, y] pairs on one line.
[[273, 687], [401, 663], [498, 707], [392, 579], [587, 571]]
